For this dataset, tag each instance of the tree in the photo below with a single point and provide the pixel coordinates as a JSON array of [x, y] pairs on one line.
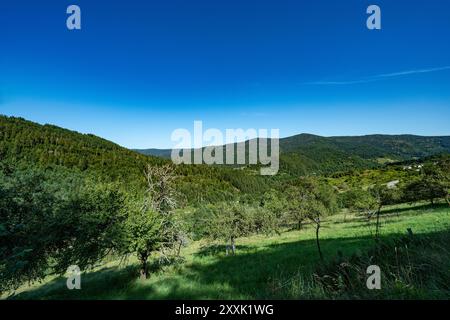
[[264, 221], [161, 194], [276, 207], [383, 196], [445, 170], [419, 190], [317, 200], [296, 208], [49, 221], [88, 226], [25, 210], [360, 201], [230, 221], [315, 210], [151, 226], [435, 178], [432, 184], [145, 234]]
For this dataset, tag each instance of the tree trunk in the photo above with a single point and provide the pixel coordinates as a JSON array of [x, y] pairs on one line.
[[447, 198], [233, 246], [299, 225], [317, 239], [143, 273], [377, 228], [180, 243]]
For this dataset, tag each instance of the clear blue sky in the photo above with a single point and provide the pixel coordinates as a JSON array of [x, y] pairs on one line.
[[140, 69]]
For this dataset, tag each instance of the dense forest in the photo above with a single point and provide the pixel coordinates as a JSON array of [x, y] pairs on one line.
[[27, 144]]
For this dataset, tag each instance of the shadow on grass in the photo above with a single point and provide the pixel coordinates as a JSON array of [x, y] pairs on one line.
[[94, 285], [254, 272], [215, 249], [251, 274], [421, 207]]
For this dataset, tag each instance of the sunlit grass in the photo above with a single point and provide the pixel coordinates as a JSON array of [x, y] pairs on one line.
[[255, 272]]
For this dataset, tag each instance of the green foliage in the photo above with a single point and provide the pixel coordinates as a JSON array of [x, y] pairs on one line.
[[416, 181], [359, 200], [26, 143], [145, 233], [230, 220], [432, 184], [313, 189], [296, 208], [150, 225], [384, 195], [307, 154], [49, 221], [26, 210], [278, 204], [89, 225]]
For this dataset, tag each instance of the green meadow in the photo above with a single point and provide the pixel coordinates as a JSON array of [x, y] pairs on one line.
[[287, 265]]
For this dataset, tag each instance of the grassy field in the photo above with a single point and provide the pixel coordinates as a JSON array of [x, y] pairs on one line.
[[277, 266]]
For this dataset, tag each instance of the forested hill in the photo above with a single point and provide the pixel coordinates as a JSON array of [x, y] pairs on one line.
[[394, 147], [307, 153], [343, 153], [26, 142], [22, 141]]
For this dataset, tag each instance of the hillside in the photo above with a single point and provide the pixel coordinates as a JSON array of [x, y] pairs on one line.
[[56, 210], [395, 147], [27, 144], [23, 141], [311, 154]]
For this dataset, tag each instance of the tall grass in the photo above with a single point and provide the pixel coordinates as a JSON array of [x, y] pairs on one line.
[[412, 267]]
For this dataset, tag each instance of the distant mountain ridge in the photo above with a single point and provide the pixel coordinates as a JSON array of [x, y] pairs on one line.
[[366, 146], [311, 153], [26, 142]]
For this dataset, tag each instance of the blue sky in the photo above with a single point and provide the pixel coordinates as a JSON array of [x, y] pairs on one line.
[[137, 70]]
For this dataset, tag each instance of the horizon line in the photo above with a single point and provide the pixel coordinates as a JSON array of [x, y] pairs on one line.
[[281, 137]]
